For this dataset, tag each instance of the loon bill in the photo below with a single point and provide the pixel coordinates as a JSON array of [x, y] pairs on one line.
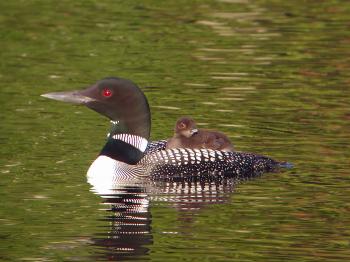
[[127, 154]]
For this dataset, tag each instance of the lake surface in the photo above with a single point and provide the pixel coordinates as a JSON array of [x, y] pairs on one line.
[[273, 75]]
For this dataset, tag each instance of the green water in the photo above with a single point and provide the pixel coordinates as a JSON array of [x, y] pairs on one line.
[[273, 75]]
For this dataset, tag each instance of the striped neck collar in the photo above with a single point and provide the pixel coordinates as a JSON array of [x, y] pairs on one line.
[[136, 141], [117, 133]]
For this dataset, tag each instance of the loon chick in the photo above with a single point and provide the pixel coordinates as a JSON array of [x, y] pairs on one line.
[[127, 155], [186, 135]]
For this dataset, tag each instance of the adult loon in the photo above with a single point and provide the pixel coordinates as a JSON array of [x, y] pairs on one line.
[[186, 135], [127, 155]]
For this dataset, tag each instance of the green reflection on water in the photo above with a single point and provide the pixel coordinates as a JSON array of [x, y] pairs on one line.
[[273, 75]]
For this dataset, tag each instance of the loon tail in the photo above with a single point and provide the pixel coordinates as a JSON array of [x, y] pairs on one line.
[[286, 165]]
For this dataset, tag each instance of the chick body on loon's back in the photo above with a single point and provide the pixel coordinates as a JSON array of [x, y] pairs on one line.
[[186, 135], [127, 153]]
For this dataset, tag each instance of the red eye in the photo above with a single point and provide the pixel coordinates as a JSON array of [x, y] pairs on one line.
[[107, 92]]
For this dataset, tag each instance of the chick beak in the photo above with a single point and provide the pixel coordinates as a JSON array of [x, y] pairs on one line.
[[194, 131]]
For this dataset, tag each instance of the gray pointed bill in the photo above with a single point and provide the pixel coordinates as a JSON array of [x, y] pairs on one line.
[[74, 97]]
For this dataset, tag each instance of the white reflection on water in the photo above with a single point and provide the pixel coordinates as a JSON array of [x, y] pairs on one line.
[[128, 231]]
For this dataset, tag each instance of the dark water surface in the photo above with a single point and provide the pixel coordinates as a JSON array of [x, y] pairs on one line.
[[273, 75]]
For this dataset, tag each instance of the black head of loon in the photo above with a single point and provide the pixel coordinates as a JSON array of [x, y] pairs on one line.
[[126, 106], [119, 99]]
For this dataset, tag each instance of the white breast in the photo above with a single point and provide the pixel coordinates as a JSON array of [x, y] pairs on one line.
[[106, 174]]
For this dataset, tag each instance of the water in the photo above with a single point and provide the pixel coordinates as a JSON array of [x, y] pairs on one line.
[[273, 75]]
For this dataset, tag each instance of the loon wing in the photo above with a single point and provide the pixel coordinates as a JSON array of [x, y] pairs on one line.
[[185, 163], [155, 146]]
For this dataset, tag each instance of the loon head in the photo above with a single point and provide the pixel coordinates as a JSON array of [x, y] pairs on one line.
[[186, 127], [119, 99]]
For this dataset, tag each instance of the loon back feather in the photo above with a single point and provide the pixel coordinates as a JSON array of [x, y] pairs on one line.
[[155, 146], [184, 162]]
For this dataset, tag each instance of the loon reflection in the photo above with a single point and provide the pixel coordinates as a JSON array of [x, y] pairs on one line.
[[129, 232]]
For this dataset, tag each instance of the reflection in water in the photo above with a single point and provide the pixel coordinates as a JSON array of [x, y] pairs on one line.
[[129, 224], [129, 233]]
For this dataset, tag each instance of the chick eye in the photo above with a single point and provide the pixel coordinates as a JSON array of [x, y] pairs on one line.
[[106, 92], [182, 125]]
